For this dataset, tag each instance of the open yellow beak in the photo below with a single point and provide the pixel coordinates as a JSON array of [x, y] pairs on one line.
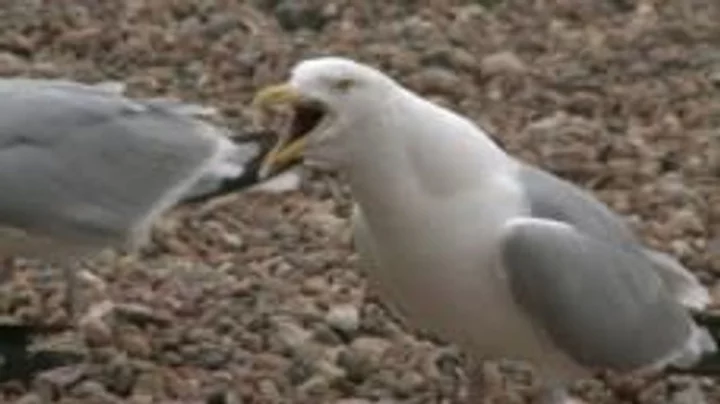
[[285, 152]]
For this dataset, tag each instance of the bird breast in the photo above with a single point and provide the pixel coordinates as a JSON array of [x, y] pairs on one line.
[[437, 264]]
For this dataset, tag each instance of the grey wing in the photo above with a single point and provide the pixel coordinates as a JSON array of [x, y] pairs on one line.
[[18, 84], [183, 108], [550, 197], [683, 285], [90, 165], [553, 198], [602, 305], [105, 88]]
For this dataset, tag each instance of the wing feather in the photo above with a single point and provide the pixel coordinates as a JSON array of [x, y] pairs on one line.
[[604, 306], [553, 198]]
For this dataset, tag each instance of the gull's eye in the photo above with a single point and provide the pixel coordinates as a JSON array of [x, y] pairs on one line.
[[343, 84]]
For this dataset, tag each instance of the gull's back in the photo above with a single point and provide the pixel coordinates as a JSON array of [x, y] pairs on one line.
[[88, 166]]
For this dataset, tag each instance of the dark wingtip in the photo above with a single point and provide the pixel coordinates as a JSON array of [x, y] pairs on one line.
[[266, 140], [708, 366], [18, 362], [709, 319]]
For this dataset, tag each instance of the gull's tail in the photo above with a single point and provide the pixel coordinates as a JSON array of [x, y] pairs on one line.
[[709, 364]]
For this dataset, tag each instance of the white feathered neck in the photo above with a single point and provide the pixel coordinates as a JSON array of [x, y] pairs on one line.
[[410, 146]]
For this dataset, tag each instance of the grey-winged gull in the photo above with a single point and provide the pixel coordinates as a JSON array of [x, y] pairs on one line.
[[501, 258], [83, 167]]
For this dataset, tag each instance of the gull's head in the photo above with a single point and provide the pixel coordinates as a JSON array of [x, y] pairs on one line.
[[329, 96]]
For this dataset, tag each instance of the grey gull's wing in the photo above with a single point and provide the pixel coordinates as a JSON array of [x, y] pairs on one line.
[[550, 197], [602, 305], [553, 198], [686, 288]]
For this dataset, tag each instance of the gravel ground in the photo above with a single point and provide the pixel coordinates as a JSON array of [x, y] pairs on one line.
[[254, 298]]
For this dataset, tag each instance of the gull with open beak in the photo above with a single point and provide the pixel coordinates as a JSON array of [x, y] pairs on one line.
[[291, 146], [501, 258]]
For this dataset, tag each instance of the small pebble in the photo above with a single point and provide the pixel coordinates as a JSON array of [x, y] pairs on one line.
[[31, 398], [97, 333], [344, 318], [691, 394], [502, 63], [96, 392]]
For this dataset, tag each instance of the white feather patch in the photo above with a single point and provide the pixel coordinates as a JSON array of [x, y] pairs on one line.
[[284, 182]]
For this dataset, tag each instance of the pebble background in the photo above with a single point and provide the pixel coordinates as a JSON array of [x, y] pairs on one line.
[[254, 298]]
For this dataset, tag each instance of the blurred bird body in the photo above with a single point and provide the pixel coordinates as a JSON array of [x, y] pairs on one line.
[[83, 168]]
